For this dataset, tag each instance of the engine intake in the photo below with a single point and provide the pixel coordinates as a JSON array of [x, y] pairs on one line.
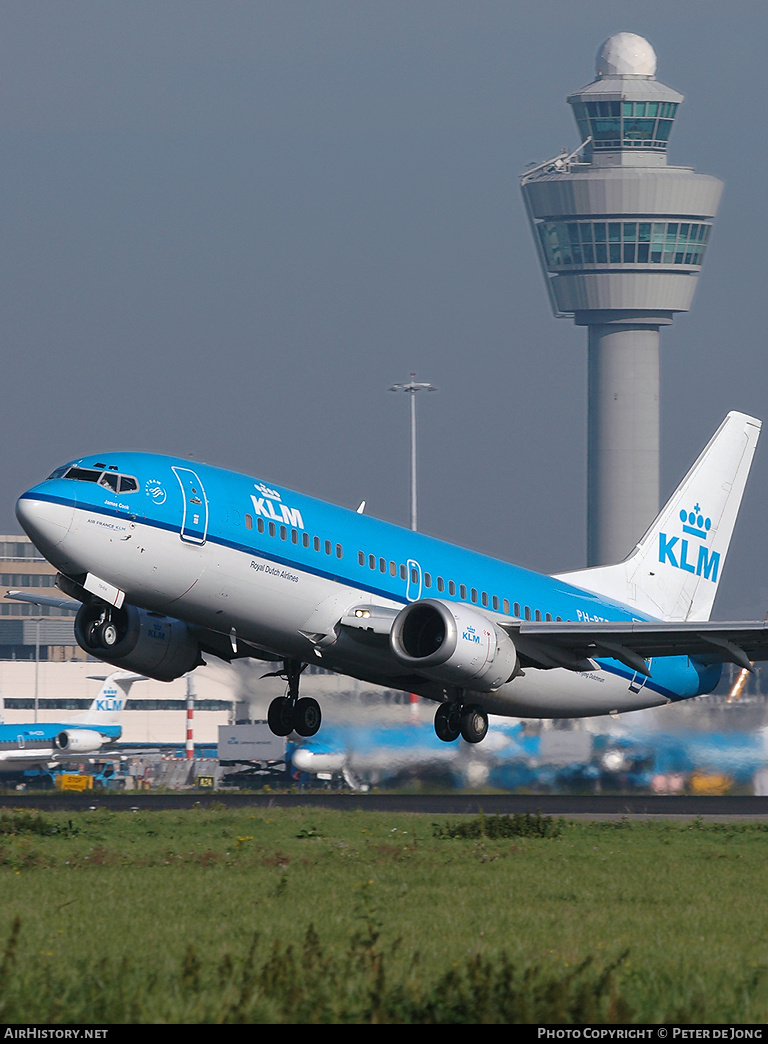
[[135, 640], [453, 644], [78, 741]]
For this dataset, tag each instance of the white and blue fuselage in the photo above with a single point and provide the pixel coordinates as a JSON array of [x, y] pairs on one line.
[[272, 572]]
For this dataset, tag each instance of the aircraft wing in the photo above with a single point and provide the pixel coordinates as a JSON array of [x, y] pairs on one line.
[[58, 601], [573, 645], [25, 757]]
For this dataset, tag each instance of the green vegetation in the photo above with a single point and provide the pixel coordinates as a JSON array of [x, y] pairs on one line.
[[320, 916]]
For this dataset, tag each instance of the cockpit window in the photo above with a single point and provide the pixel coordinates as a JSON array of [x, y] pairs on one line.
[[83, 474], [110, 479]]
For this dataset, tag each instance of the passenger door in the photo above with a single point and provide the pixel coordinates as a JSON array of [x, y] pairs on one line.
[[413, 582], [194, 519]]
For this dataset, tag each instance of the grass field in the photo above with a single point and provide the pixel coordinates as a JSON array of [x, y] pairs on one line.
[[320, 916]]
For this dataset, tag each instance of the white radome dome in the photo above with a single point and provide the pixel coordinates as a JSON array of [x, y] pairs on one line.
[[626, 54]]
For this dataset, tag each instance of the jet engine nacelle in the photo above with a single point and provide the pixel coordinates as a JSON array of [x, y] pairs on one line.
[[135, 640], [78, 741], [453, 644]]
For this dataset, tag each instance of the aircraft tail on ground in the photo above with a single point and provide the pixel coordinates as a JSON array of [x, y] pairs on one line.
[[674, 571], [110, 702]]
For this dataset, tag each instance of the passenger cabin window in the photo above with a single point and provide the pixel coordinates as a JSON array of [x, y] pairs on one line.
[[462, 592], [260, 524], [248, 521], [451, 587], [339, 552]]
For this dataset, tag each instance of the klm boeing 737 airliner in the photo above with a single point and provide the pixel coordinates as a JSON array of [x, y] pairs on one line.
[[171, 560]]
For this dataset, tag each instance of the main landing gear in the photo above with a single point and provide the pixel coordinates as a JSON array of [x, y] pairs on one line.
[[103, 633], [288, 713], [454, 719]]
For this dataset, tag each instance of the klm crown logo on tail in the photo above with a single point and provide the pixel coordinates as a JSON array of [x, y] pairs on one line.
[[108, 700], [689, 556], [674, 571]]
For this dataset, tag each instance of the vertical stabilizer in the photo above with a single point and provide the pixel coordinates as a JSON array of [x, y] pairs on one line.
[[675, 569], [110, 702]]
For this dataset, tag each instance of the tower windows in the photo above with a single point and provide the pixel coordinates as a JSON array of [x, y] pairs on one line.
[[581, 243], [625, 125]]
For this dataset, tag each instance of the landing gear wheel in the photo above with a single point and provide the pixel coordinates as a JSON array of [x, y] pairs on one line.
[[280, 716], [448, 722], [92, 635], [307, 716], [108, 635], [474, 724]]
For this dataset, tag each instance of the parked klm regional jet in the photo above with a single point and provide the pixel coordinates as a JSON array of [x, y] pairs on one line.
[[171, 560], [30, 745]]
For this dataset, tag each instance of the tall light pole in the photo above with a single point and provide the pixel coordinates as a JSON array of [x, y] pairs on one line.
[[37, 623], [411, 387]]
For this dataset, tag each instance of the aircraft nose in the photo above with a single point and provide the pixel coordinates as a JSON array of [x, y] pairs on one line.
[[45, 522]]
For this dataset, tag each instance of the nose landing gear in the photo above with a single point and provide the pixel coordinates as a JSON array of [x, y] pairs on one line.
[[289, 713]]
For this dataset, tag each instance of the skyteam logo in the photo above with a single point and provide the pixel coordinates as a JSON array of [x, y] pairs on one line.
[[156, 490], [691, 556]]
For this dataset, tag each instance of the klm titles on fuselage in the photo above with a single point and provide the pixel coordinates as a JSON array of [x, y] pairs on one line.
[[685, 556], [266, 507]]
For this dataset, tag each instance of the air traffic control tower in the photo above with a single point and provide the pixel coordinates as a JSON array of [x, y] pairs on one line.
[[621, 237]]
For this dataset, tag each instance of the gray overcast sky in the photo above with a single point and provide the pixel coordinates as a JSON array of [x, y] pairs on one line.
[[228, 227]]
